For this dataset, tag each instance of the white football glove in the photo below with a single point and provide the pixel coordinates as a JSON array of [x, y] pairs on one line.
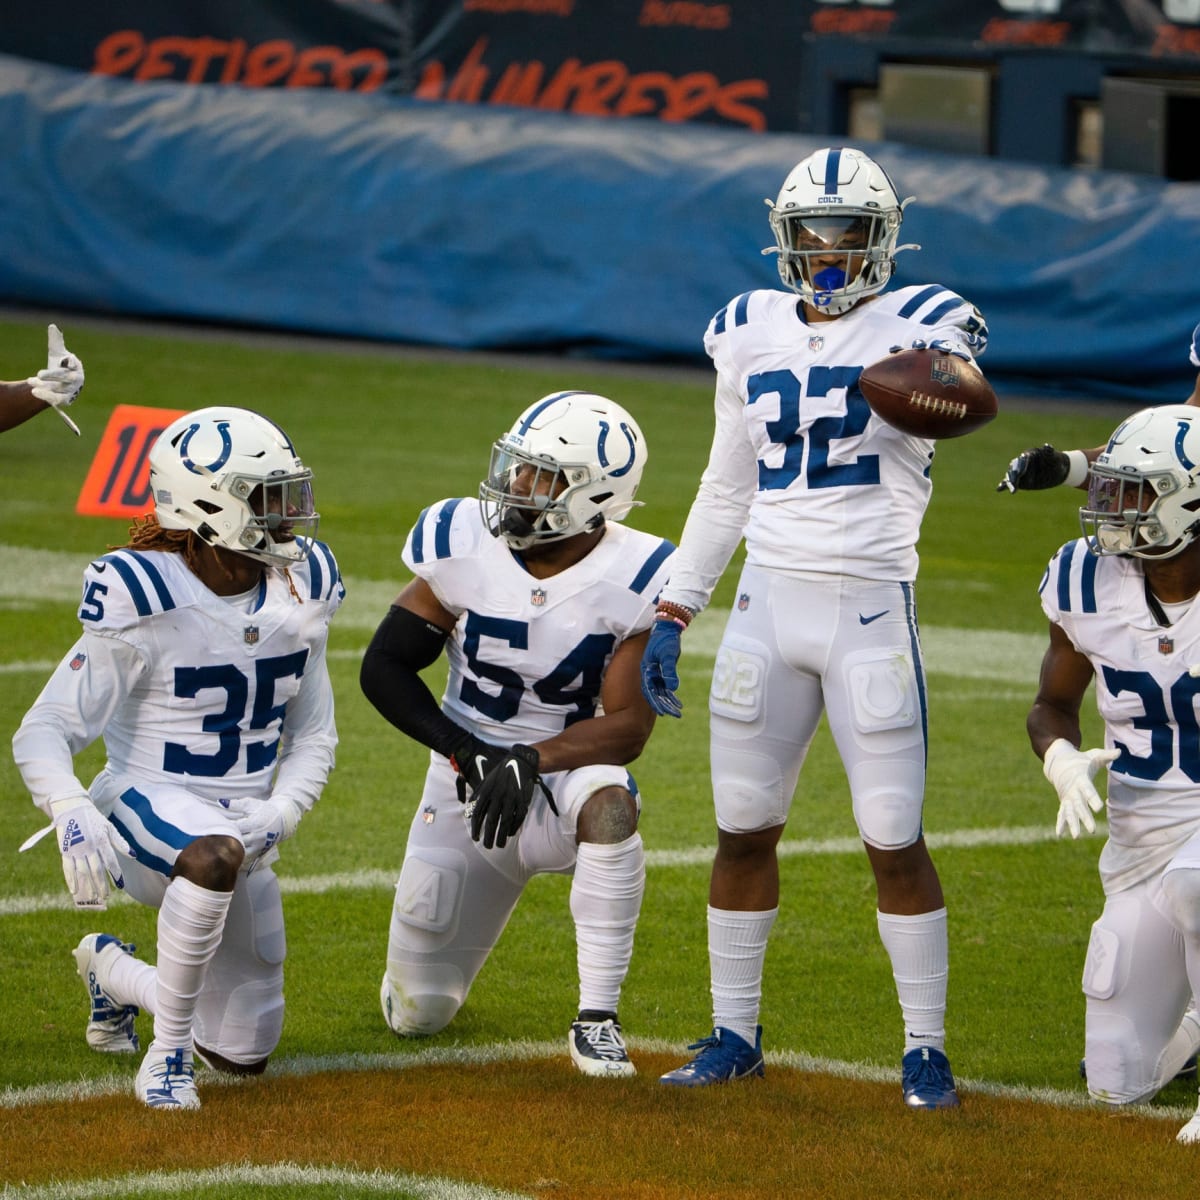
[[62, 380], [88, 843], [1072, 771], [264, 823]]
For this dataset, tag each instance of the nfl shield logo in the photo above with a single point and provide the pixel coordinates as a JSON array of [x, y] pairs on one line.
[[250, 635], [428, 814], [743, 602], [537, 598], [815, 343], [77, 662], [1166, 645]]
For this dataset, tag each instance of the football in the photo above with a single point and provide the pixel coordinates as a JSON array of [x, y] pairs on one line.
[[928, 394]]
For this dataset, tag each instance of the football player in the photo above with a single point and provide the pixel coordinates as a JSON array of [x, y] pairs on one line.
[[829, 499], [541, 601], [56, 386], [202, 665], [1042, 467], [1122, 607]]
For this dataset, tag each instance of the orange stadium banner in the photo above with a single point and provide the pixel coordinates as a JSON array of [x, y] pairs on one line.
[[118, 481]]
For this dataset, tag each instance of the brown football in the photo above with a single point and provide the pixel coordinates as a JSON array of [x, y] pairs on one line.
[[928, 394]]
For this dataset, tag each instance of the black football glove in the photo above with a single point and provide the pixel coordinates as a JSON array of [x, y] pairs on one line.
[[1034, 470], [500, 802], [473, 758]]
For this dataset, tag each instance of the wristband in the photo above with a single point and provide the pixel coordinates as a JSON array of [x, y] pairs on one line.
[[679, 613], [1077, 468]]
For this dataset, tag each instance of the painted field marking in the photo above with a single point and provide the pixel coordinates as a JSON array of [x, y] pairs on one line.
[[290, 1175], [527, 1051], [28, 578], [687, 856]]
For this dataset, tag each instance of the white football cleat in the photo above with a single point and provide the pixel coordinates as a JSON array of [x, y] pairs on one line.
[[598, 1049], [110, 1024], [165, 1079]]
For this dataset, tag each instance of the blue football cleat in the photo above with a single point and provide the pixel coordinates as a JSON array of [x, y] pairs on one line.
[[723, 1058], [927, 1081]]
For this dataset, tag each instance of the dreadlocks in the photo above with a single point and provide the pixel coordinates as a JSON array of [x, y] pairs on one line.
[[147, 534]]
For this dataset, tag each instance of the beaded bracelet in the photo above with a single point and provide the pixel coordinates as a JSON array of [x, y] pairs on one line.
[[679, 613]]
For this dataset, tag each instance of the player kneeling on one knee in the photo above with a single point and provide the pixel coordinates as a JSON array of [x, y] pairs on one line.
[[541, 601]]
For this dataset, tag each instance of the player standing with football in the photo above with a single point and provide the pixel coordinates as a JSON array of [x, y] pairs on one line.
[[829, 499], [202, 665], [1122, 607], [541, 602]]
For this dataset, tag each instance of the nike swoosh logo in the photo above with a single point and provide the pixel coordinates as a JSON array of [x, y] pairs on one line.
[[875, 617], [480, 765], [512, 766]]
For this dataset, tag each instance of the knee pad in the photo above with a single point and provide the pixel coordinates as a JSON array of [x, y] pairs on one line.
[[1181, 887], [426, 1002], [888, 799], [748, 791], [1116, 1071]]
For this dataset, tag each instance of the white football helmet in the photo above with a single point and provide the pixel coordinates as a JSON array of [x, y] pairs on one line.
[[233, 478], [572, 461], [1144, 489], [836, 200]]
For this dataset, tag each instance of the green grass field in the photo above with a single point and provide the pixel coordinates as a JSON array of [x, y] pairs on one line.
[[386, 434]]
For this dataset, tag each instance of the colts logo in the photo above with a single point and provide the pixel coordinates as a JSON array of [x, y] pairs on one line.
[[601, 453], [537, 598], [1185, 462], [221, 459], [946, 375]]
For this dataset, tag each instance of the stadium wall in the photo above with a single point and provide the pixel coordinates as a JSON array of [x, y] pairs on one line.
[[445, 225]]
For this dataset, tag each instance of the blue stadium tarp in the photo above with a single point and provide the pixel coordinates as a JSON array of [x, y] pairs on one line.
[[455, 226]]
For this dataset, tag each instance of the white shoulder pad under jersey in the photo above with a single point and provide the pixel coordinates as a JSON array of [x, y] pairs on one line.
[[527, 656], [1143, 690], [209, 665], [839, 491]]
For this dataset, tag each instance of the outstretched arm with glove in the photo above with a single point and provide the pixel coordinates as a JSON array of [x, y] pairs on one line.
[[1054, 732], [57, 385]]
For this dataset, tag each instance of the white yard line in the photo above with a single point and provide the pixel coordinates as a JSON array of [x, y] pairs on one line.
[[687, 856], [279, 1175]]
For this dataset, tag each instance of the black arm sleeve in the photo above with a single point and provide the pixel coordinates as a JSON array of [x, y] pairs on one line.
[[403, 645]]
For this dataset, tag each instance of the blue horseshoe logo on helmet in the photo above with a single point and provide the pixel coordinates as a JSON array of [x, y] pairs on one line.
[[615, 472], [219, 461], [1188, 465]]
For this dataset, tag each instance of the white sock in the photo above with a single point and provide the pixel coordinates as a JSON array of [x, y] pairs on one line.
[[606, 897], [919, 949], [737, 948], [131, 981], [190, 923]]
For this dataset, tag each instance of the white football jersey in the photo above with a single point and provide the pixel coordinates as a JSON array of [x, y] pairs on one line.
[[527, 656], [188, 689], [1143, 690], [800, 464]]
